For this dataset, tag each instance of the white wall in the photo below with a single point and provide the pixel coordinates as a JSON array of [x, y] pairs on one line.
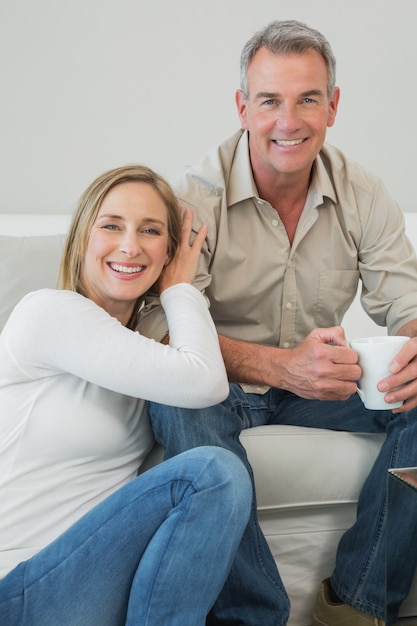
[[91, 84]]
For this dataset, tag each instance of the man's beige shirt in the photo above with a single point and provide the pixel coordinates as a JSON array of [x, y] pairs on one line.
[[265, 290]]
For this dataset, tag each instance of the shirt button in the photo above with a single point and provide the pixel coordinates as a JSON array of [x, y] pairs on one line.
[[275, 222], [286, 345], [289, 305]]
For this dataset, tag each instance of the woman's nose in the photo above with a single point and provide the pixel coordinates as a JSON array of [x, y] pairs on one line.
[[130, 245]]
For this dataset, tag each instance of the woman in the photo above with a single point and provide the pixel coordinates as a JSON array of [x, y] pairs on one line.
[[83, 541]]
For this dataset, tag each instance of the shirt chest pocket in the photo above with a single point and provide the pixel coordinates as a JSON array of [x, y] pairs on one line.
[[337, 289]]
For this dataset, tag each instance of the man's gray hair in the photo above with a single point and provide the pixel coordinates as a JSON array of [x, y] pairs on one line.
[[285, 37]]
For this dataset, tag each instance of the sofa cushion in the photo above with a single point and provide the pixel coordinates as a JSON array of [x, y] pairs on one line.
[[308, 467], [26, 264]]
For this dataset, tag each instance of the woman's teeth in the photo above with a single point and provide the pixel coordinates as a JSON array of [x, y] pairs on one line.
[[126, 270]]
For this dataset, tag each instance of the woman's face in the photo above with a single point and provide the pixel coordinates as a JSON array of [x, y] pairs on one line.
[[127, 248]]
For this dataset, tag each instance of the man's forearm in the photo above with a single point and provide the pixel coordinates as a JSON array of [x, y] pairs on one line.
[[409, 329], [247, 362], [322, 367]]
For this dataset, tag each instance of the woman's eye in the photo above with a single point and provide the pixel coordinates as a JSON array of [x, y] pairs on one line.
[[110, 227], [151, 231]]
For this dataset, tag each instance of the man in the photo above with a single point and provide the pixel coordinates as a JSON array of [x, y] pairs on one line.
[[293, 225]]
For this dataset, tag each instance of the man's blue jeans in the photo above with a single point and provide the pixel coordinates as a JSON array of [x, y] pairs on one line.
[[253, 593], [401, 519], [154, 553]]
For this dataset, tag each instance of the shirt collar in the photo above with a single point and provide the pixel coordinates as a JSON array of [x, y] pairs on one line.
[[242, 184], [321, 181]]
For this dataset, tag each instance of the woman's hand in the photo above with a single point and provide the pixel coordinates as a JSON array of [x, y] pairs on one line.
[[182, 268]]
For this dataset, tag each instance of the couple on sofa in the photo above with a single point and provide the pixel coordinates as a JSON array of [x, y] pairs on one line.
[[285, 227]]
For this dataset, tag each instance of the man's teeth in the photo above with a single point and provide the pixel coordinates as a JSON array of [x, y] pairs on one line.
[[124, 269], [292, 142]]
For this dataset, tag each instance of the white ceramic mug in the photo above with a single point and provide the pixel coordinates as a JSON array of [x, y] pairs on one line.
[[375, 356]]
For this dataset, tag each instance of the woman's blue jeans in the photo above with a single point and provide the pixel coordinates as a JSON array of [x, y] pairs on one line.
[[253, 593], [155, 553]]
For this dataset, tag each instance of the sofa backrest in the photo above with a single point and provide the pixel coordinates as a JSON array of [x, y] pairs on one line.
[[30, 252]]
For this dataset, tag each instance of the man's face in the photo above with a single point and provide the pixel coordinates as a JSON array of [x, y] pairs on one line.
[[287, 112]]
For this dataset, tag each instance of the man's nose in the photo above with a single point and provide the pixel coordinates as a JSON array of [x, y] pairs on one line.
[[288, 118]]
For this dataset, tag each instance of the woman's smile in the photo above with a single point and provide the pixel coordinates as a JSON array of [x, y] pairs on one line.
[[124, 270]]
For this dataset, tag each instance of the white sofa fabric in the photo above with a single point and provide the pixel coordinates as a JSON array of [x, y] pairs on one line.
[[307, 479]]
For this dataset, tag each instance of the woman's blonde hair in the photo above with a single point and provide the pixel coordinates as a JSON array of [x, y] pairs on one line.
[[72, 260]]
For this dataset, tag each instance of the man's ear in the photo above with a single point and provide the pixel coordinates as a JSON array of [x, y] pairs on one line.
[[241, 108], [333, 104]]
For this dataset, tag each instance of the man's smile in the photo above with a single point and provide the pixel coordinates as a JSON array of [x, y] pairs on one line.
[[288, 142]]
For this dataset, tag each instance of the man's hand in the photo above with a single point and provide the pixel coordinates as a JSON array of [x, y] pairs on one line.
[[402, 384], [322, 367]]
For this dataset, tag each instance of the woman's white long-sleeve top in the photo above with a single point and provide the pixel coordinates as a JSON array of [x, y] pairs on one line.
[[73, 422]]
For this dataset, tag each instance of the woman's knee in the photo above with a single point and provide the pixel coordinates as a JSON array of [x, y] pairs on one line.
[[224, 470]]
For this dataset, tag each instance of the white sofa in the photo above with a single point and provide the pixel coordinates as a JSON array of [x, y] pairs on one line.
[[307, 479]]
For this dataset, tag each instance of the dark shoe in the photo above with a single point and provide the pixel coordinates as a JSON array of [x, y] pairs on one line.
[[328, 613]]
